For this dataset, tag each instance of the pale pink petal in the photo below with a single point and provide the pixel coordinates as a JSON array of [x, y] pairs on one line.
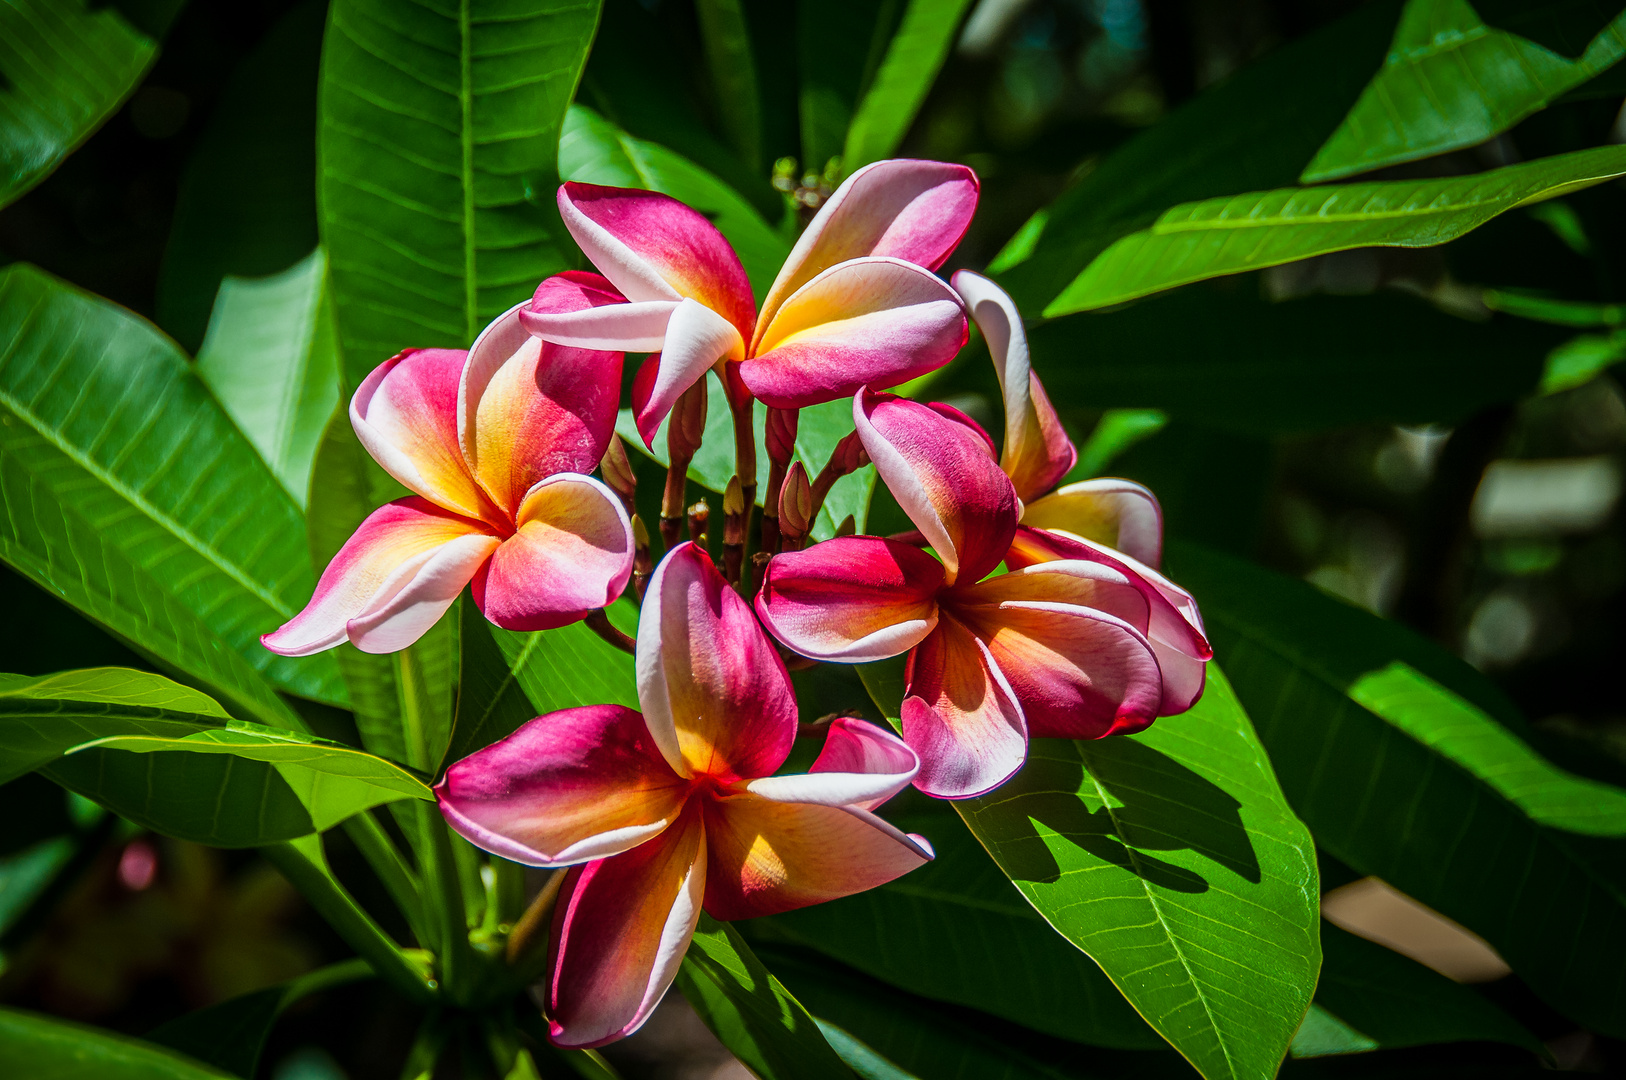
[[401, 550], [584, 310], [652, 247], [906, 209], [961, 716], [528, 410], [405, 414], [861, 765], [1118, 513], [572, 553], [940, 473], [716, 695], [764, 857], [696, 338], [965, 421], [868, 322], [620, 929], [564, 788], [1037, 450], [852, 599]]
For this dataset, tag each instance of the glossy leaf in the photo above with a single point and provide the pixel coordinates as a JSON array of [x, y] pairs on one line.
[[1256, 130], [595, 151], [1232, 234], [727, 44], [491, 703], [44, 1048], [1451, 81], [956, 930], [65, 67], [438, 140], [111, 443], [750, 1011], [271, 357], [839, 45], [571, 666], [913, 57], [1428, 819]]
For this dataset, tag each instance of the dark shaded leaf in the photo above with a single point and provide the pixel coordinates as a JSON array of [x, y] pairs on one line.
[[44, 1048]]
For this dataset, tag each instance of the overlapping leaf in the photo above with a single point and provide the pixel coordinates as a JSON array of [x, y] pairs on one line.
[[1232, 234], [134, 497], [906, 73], [64, 69], [45, 1048]]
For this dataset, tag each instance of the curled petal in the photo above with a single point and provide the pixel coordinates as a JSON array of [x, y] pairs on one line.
[[529, 409], [652, 247], [620, 928], [1118, 513], [861, 765], [1037, 450], [696, 338], [574, 785], [853, 599], [961, 716], [867, 322], [390, 582], [904, 209], [765, 857], [940, 473], [714, 691], [585, 311], [405, 413], [571, 553]]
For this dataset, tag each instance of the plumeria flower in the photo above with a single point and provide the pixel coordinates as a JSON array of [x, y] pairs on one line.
[[1055, 647], [855, 304], [677, 809], [495, 444], [1037, 452]]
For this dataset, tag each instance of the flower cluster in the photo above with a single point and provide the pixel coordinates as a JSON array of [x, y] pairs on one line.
[[1024, 611]]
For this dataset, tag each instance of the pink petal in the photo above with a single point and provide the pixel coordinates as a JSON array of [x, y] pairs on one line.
[[393, 578], [528, 410], [960, 715], [861, 765], [867, 322], [1118, 513], [905, 209], [764, 857], [696, 338], [572, 553], [584, 310], [652, 247], [1038, 452], [716, 695], [405, 414], [574, 785], [620, 928], [853, 599], [940, 473], [951, 413]]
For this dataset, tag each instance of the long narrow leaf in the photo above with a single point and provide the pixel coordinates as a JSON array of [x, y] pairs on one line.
[[913, 58]]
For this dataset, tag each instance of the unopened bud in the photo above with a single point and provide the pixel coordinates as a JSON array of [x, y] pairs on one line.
[[848, 456], [779, 434], [617, 470], [734, 498], [688, 424], [795, 503]]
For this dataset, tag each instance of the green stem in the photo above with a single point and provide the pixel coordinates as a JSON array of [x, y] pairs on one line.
[[443, 893], [397, 877], [348, 919], [426, 1048]]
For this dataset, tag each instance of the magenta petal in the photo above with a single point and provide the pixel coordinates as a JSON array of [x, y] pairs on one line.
[[861, 765], [1118, 513], [961, 716], [852, 599], [696, 338]]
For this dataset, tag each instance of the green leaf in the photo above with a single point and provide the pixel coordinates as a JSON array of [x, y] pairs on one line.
[[1389, 1002], [913, 58], [839, 46], [594, 151], [44, 1048], [247, 200], [1115, 432], [438, 138], [1421, 797], [491, 703], [1450, 81], [818, 430], [571, 666], [231, 1035], [1233, 234], [750, 1011], [64, 69], [955, 930], [272, 359], [132, 494], [1254, 131], [727, 45]]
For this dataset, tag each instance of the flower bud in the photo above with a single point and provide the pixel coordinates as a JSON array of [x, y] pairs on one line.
[[795, 505], [618, 474], [779, 434], [688, 424], [848, 456]]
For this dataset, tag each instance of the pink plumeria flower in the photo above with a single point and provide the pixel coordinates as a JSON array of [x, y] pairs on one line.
[[1037, 452], [677, 809], [1058, 648], [855, 304], [496, 444]]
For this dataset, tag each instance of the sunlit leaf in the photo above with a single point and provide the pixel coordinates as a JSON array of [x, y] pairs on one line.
[[571, 665], [44, 1048], [913, 58]]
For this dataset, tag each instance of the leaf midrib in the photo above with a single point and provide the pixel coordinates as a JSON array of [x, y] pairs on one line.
[[465, 98], [1166, 228]]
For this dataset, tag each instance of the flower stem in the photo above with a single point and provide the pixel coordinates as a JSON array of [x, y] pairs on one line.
[[398, 878], [599, 622]]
